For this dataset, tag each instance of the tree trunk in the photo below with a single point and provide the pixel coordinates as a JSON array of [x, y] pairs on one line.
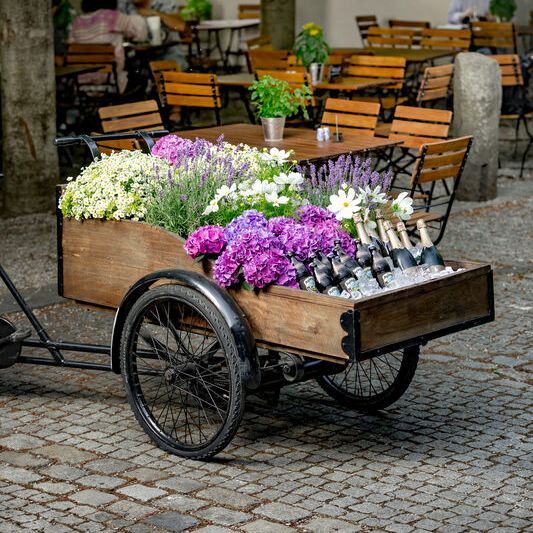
[[27, 82], [277, 20]]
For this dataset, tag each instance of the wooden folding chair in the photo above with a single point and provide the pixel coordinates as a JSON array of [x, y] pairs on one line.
[[249, 11], [512, 76], [156, 67], [416, 25], [261, 59], [434, 182], [375, 68], [263, 42], [436, 84], [364, 23], [135, 116], [415, 126], [191, 91], [497, 36], [443, 39], [390, 37], [355, 117]]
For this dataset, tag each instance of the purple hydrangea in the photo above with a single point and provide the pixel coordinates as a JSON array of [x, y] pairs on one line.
[[299, 239], [328, 232], [248, 220], [207, 240], [172, 148], [278, 225], [312, 215]]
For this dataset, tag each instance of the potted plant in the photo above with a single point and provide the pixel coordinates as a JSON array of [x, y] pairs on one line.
[[197, 10], [275, 100], [503, 9], [312, 50]]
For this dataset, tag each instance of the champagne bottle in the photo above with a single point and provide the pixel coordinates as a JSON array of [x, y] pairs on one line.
[[416, 251], [401, 257], [363, 255], [305, 280], [382, 232], [380, 268], [345, 279], [348, 261], [323, 277], [325, 260], [376, 241], [430, 257]]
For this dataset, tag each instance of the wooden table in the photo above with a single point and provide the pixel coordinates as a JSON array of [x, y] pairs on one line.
[[72, 71], [346, 83], [302, 141]]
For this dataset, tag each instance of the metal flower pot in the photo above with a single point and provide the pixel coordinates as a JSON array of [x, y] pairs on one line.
[[273, 128], [316, 71]]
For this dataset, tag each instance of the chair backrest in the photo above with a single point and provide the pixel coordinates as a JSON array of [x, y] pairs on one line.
[[416, 25], [263, 42], [416, 125], [249, 11], [511, 69], [390, 37], [376, 67], [436, 83], [91, 54], [360, 118], [494, 35], [443, 38], [294, 79], [191, 90], [135, 116], [261, 59], [363, 23], [156, 67], [440, 162]]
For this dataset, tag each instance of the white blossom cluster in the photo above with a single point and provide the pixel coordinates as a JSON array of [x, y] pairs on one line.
[[114, 187]]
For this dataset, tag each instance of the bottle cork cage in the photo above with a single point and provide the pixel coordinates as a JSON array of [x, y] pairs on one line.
[[100, 260]]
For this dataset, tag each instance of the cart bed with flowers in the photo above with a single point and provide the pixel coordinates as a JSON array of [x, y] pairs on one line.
[[190, 349]]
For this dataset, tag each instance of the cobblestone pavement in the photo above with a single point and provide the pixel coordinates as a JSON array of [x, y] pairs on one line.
[[453, 454]]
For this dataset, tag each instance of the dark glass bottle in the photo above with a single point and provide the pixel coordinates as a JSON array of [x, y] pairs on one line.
[[325, 260], [430, 256], [363, 255], [345, 278], [323, 277], [380, 268], [351, 264], [305, 280], [384, 238], [416, 251], [401, 257]]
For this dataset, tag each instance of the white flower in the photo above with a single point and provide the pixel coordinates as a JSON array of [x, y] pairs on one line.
[[373, 195], [402, 206], [293, 179], [276, 156], [211, 208], [343, 204], [226, 191], [369, 223], [276, 200]]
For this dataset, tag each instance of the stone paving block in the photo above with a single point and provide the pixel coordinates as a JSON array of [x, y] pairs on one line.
[[319, 525], [101, 482], [146, 474], [282, 512], [130, 510], [180, 484], [231, 498], [14, 474], [55, 488], [142, 492], [63, 472], [264, 526], [21, 441], [92, 497], [23, 459], [213, 529], [108, 466], [222, 516], [179, 502], [64, 454], [172, 521]]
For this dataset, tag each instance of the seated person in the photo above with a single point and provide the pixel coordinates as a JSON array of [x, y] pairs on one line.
[[462, 11], [101, 22]]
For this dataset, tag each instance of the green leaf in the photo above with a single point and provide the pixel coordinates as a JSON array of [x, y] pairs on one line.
[[247, 287], [199, 258]]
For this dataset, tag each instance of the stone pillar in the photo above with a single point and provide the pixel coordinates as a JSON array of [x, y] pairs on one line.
[[27, 83], [277, 20], [477, 97]]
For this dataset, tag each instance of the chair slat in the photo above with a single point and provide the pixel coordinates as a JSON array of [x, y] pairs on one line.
[[422, 129], [192, 101], [452, 145], [126, 110], [360, 121], [142, 122], [423, 114]]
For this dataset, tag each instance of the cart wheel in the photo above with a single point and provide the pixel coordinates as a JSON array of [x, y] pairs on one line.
[[180, 366], [375, 383]]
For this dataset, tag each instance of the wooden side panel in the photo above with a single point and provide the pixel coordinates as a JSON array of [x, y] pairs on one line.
[[101, 260]]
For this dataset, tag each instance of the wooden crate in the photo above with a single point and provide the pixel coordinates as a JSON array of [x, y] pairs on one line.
[[100, 260]]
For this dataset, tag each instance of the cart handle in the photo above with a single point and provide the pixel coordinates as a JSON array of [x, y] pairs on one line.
[[90, 141]]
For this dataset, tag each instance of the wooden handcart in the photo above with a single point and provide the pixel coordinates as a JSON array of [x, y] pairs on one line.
[[189, 351]]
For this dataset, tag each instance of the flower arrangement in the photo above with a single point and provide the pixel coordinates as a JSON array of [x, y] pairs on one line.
[[504, 9], [274, 98], [117, 186], [310, 46], [197, 10]]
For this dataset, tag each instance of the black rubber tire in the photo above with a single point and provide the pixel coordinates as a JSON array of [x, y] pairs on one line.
[[182, 296], [374, 401]]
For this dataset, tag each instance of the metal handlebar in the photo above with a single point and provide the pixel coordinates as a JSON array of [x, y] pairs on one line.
[[90, 141]]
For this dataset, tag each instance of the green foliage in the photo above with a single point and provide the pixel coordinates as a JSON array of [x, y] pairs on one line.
[[310, 46], [197, 10], [274, 98], [505, 9]]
